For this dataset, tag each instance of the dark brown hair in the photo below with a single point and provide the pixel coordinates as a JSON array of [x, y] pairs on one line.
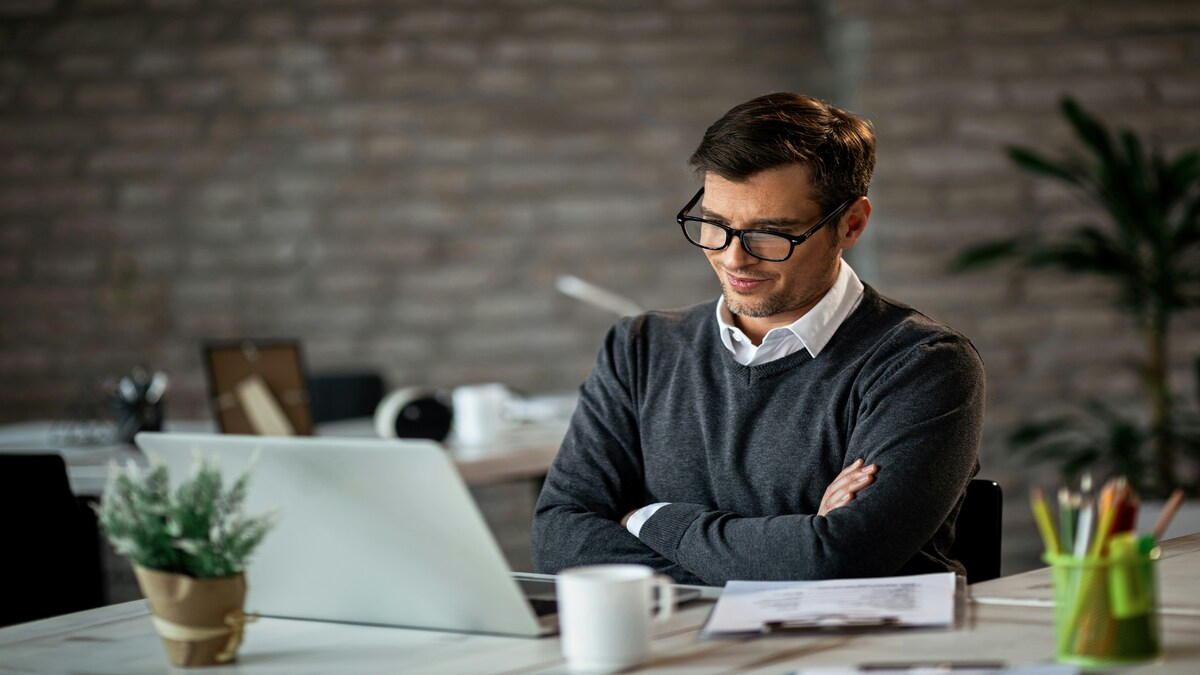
[[775, 130]]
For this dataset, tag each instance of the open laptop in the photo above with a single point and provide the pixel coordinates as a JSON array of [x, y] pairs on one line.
[[370, 531]]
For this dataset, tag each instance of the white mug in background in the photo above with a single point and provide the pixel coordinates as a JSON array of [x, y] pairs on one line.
[[605, 614], [480, 411]]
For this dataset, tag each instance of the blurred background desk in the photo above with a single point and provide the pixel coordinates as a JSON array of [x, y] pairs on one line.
[[504, 477], [521, 453], [120, 639]]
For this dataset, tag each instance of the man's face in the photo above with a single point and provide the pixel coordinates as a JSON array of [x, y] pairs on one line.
[[761, 293]]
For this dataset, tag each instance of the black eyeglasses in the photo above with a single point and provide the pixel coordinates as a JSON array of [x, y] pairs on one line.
[[762, 244]]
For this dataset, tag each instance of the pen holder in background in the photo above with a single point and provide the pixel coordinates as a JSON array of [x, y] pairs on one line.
[[131, 417], [1106, 609], [136, 403]]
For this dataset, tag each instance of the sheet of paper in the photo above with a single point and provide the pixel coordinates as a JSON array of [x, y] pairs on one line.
[[921, 600], [935, 668]]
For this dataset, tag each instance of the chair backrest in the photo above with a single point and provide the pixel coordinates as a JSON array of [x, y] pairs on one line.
[[978, 530], [51, 562], [339, 396]]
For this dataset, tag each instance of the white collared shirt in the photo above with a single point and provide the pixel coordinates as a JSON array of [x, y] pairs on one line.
[[811, 331]]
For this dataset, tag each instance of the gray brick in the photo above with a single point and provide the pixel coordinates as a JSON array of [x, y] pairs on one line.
[[272, 24], [158, 61], [432, 22], [387, 147], [265, 88], [124, 161], [461, 53], [1181, 89], [1011, 22], [300, 56], [232, 57], [26, 8], [87, 65], [10, 268], [67, 267], [1116, 17], [51, 197], [287, 222], [342, 25], [198, 92], [178, 128], [27, 361], [1152, 53], [109, 96], [25, 164]]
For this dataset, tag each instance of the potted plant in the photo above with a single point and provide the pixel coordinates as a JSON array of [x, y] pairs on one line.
[[189, 548], [1149, 246]]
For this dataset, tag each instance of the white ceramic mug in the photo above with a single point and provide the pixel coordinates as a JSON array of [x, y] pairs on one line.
[[605, 613], [480, 411]]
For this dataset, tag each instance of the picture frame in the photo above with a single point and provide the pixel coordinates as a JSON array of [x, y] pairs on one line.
[[258, 387]]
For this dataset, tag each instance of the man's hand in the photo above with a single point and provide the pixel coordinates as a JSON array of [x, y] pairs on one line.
[[625, 520], [841, 491]]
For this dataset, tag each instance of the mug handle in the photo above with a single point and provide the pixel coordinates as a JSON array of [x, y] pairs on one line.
[[666, 597]]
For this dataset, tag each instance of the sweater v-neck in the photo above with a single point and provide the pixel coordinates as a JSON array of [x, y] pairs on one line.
[[757, 373]]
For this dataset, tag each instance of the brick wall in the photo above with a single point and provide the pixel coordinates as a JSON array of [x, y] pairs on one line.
[[398, 183]]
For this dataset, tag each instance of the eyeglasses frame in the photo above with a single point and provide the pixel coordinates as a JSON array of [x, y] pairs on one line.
[[682, 217]]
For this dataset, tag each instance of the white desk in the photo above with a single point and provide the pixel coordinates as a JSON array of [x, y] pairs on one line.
[[519, 453], [120, 639]]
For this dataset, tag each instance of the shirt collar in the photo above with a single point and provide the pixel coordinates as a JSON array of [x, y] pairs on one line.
[[814, 330]]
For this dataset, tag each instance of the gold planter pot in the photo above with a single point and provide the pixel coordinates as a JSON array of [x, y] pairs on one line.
[[200, 621]]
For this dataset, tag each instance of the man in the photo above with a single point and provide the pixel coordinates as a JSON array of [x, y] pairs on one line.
[[804, 427]]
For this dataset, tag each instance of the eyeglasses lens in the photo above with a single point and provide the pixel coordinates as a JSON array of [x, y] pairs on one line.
[[760, 244]]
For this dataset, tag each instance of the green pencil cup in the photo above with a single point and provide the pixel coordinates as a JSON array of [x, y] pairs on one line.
[[1106, 609]]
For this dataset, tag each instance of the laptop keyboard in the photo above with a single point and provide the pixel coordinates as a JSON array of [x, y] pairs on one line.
[[543, 607]]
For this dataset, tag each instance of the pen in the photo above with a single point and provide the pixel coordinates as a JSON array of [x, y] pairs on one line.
[[933, 665], [128, 391], [1087, 513], [1067, 507]]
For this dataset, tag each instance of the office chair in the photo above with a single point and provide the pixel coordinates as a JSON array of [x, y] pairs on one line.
[[51, 563], [977, 530], [342, 396]]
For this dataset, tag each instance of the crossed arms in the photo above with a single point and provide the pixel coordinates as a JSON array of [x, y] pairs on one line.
[[735, 509]]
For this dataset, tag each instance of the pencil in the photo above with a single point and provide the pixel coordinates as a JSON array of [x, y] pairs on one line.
[[1042, 515], [1108, 511], [1160, 527]]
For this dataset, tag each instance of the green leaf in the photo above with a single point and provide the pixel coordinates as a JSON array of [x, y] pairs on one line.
[[1090, 130], [1032, 162], [985, 254]]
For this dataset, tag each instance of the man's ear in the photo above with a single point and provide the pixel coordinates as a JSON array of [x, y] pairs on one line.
[[854, 222]]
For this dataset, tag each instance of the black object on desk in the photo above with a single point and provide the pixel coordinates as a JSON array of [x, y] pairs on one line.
[[978, 529], [342, 396], [51, 562]]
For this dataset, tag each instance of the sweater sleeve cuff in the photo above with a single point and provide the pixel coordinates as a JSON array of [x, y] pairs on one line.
[[639, 517], [664, 530]]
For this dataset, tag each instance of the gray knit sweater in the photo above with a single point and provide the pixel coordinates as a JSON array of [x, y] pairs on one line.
[[744, 453]]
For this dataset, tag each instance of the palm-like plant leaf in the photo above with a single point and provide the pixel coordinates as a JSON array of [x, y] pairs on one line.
[[1150, 248]]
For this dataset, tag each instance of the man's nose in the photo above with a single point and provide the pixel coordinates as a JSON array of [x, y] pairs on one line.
[[735, 256]]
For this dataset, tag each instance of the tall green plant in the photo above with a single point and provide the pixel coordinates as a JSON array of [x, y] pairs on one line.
[[1149, 245]]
